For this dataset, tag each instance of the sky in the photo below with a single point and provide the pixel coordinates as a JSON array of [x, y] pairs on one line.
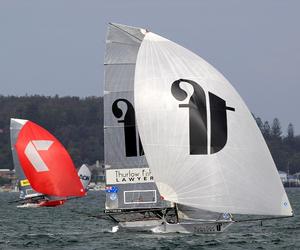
[[57, 47]]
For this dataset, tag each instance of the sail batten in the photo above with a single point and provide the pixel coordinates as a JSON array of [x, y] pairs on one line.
[[200, 139]]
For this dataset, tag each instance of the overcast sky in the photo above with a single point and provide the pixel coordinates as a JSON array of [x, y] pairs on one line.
[[57, 47]]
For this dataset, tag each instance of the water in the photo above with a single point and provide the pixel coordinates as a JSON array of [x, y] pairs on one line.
[[62, 227]]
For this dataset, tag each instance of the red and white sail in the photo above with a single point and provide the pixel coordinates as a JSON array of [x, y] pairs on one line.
[[46, 163]]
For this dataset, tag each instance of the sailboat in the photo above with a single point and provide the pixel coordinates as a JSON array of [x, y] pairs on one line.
[[85, 175], [45, 171], [182, 150]]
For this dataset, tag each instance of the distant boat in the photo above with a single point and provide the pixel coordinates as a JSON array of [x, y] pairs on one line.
[[182, 150], [84, 174], [45, 171]]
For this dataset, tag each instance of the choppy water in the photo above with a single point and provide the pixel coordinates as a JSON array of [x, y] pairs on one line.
[[52, 228]]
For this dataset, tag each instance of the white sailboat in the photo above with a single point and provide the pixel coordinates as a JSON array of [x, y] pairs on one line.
[[85, 175], [131, 193], [206, 155]]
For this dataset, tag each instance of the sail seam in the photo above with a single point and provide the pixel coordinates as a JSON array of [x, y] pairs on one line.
[[119, 64], [126, 32], [129, 44]]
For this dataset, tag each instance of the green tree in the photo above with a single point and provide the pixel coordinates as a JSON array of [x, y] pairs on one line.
[[76, 122], [290, 131], [259, 123], [276, 129], [266, 130]]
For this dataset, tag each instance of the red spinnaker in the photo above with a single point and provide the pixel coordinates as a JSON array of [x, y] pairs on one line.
[[46, 163]]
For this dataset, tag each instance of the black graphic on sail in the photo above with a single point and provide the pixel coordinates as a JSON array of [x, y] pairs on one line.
[[218, 125], [198, 118], [130, 132]]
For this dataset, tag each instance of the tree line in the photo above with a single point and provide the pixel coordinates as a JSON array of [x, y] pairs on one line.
[[78, 124], [285, 149]]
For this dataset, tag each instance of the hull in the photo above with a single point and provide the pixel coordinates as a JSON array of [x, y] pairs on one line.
[[43, 203], [145, 225], [51, 203], [193, 227], [30, 205], [160, 226]]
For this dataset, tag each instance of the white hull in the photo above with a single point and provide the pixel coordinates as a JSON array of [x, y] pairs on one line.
[[160, 226], [26, 205]]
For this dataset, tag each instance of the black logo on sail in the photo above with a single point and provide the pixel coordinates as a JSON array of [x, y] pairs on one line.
[[198, 118], [132, 147]]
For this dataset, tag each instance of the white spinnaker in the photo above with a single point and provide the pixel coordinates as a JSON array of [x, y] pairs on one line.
[[241, 178], [84, 174]]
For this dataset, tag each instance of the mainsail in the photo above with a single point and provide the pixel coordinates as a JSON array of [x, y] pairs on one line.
[[43, 160], [23, 183], [200, 140], [129, 181]]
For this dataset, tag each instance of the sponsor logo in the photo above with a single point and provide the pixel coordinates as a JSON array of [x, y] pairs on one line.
[[133, 148], [111, 189], [31, 152], [24, 183], [84, 177], [204, 228], [202, 125], [125, 176]]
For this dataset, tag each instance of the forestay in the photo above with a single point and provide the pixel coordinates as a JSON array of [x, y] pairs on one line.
[[200, 140]]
